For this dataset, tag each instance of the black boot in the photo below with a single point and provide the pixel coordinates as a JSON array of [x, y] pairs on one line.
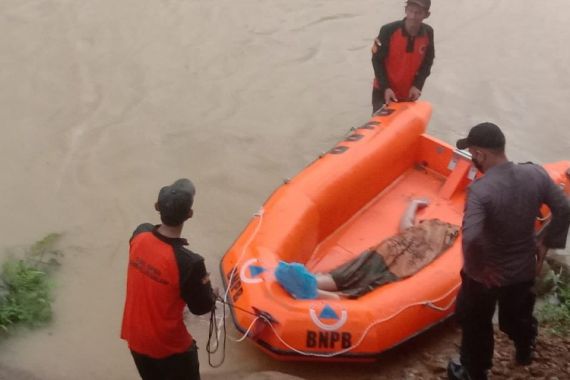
[[524, 353], [523, 356], [456, 371]]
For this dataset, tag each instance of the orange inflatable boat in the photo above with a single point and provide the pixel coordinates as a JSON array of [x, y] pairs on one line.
[[346, 201]]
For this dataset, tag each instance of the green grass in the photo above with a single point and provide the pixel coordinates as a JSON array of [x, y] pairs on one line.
[[25, 285], [555, 314]]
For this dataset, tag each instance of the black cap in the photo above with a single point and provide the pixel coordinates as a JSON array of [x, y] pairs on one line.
[[175, 202], [484, 135], [422, 3]]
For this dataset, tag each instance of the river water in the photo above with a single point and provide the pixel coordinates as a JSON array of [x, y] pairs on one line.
[[103, 102]]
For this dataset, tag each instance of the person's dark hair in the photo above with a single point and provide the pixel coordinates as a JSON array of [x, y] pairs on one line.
[[175, 202]]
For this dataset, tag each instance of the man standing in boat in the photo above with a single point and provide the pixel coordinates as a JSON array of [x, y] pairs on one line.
[[163, 277], [402, 56], [501, 251]]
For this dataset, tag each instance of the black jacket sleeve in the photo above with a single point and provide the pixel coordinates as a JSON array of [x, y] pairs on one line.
[[198, 295], [425, 68], [378, 59]]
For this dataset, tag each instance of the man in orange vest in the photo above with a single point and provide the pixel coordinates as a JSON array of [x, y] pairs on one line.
[[402, 56], [163, 277]]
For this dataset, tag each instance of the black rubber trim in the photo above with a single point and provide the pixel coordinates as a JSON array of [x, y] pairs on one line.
[[338, 149], [369, 125], [385, 111], [354, 137]]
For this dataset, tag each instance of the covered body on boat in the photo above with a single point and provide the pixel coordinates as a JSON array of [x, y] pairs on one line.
[[343, 203]]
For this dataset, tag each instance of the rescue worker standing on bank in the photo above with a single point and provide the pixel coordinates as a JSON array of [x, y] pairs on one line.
[[402, 56], [501, 253], [163, 277]]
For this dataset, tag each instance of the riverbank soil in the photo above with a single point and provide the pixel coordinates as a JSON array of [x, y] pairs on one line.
[[425, 358], [551, 362]]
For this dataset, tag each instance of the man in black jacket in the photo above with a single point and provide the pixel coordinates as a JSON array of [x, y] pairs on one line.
[[501, 252]]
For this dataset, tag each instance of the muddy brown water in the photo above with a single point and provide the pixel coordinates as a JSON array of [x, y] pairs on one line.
[[105, 101]]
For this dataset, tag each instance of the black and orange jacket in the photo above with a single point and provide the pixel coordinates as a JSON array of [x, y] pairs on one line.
[[162, 278], [402, 60]]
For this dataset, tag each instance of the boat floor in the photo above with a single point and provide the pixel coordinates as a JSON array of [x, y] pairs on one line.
[[380, 218]]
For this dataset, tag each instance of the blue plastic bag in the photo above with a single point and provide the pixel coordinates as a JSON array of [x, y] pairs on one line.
[[296, 280]]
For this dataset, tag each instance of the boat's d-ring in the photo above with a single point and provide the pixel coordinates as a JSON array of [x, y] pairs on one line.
[[340, 320], [249, 264]]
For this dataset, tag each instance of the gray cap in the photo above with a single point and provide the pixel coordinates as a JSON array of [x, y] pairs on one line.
[[175, 201], [422, 3]]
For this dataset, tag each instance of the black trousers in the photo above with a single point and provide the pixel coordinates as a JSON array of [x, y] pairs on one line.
[[183, 366], [377, 99], [475, 308]]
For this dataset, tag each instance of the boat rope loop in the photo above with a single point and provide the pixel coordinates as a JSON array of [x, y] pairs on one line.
[[258, 214], [367, 330], [218, 328], [215, 330], [439, 308], [431, 304]]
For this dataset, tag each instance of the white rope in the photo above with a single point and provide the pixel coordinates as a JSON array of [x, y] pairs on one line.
[[233, 272], [430, 304], [260, 214], [439, 308], [220, 322], [367, 330], [244, 335], [248, 330]]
